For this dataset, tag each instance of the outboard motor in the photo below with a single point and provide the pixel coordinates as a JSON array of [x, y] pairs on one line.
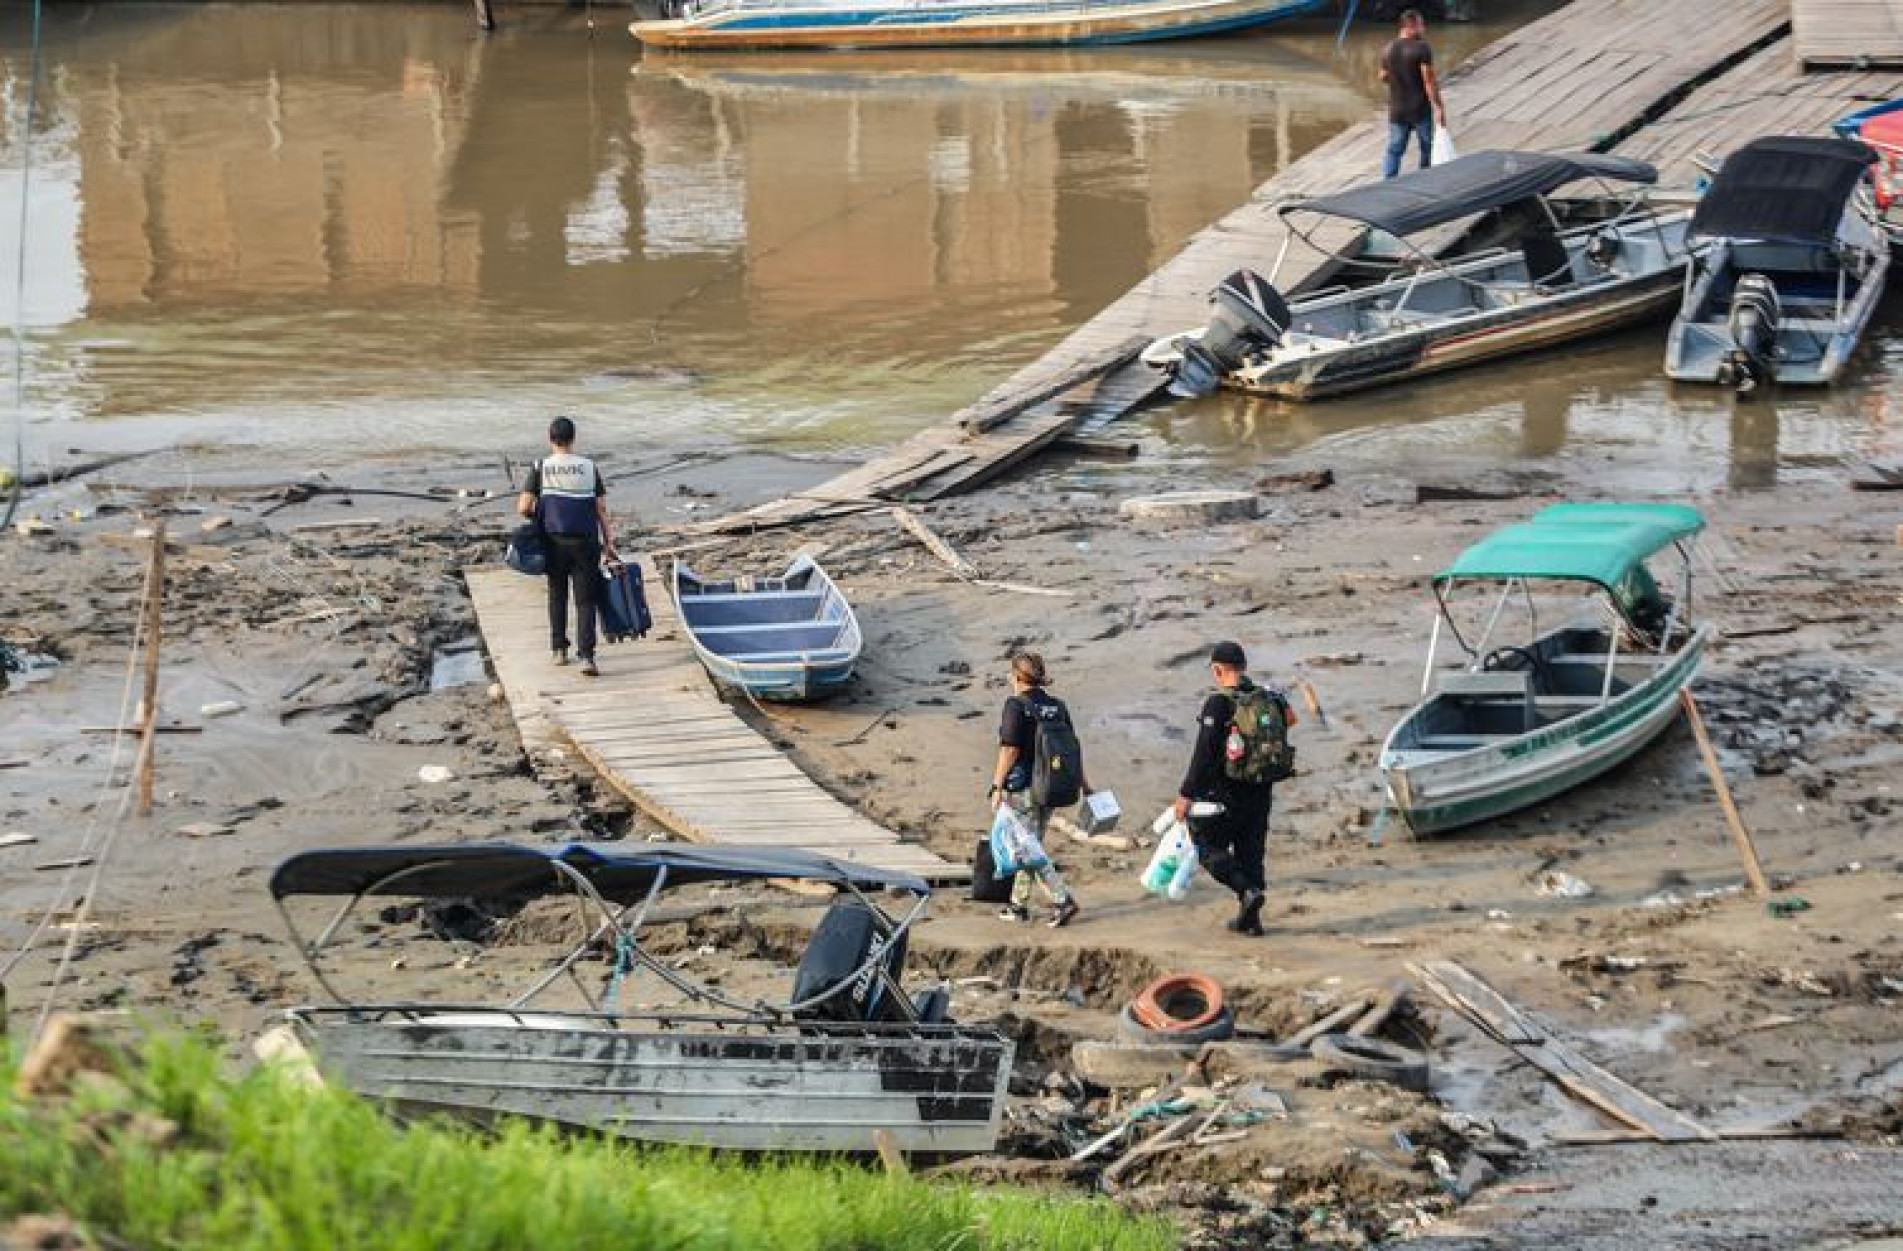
[[1249, 316], [1753, 326]]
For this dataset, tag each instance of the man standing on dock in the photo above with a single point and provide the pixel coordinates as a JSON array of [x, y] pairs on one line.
[[1414, 103], [565, 494]]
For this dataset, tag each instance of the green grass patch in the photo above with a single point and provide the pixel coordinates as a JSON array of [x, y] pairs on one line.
[[176, 1153]]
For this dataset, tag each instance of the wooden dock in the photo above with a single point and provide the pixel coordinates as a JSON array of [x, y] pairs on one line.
[[1585, 77], [1848, 34], [654, 728], [1767, 94]]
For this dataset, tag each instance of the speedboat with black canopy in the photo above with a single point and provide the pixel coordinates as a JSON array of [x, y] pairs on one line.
[[1551, 281], [843, 1059], [1521, 722], [1791, 266]]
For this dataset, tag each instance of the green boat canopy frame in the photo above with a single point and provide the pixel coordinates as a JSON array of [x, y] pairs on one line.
[[1598, 543], [1606, 545]]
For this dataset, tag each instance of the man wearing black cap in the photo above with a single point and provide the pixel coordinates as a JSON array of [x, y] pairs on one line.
[[1232, 843]]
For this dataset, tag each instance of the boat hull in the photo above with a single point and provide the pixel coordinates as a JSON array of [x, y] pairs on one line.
[[725, 1084], [1003, 24], [1438, 791], [1469, 341], [1700, 341], [790, 638]]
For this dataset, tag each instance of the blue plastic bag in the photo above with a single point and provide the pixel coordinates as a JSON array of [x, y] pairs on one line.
[[1014, 844]]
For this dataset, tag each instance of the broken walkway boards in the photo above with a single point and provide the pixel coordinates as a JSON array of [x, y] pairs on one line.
[[1507, 1025], [1847, 34], [654, 728], [1580, 78]]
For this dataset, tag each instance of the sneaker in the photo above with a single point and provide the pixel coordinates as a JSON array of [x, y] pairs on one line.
[[588, 669], [561, 655], [1011, 912], [1066, 913]]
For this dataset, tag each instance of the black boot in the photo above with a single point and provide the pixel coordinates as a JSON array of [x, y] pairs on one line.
[[1248, 919]]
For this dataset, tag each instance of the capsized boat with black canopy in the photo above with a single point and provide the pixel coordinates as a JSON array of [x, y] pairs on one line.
[[1790, 269], [1552, 283], [846, 1055], [1522, 722]]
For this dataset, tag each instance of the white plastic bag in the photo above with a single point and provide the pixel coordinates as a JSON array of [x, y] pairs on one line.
[[1444, 150], [1173, 865], [1014, 844]]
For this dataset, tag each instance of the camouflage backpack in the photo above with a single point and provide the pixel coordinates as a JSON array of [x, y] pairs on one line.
[[1260, 724]]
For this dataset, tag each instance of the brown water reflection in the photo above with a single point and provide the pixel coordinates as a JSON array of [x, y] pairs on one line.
[[284, 220], [331, 226]]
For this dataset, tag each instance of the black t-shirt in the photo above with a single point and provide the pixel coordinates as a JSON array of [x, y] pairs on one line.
[[1407, 89], [1017, 727]]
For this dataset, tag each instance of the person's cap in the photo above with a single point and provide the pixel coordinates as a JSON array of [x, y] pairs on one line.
[[1228, 653]]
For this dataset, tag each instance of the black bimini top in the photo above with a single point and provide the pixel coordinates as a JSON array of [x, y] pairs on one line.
[[1784, 189], [475, 869], [1468, 185]]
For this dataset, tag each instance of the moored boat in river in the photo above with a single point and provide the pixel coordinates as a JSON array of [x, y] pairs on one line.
[[761, 24], [1553, 283]]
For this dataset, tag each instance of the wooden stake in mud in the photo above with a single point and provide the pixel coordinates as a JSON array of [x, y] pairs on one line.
[[148, 722], [1753, 870]]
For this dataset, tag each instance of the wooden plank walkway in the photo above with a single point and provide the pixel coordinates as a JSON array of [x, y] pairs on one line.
[[653, 726], [1583, 77], [1848, 34], [1767, 94]]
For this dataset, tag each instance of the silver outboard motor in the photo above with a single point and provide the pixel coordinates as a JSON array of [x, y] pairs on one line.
[[1249, 315], [1753, 326]]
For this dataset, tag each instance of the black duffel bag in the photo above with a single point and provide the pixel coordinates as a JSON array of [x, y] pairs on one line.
[[986, 885], [528, 549]]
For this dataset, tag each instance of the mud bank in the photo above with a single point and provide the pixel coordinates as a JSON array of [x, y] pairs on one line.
[[326, 637]]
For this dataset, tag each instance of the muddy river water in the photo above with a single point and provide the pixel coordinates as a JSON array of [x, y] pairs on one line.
[[325, 231]]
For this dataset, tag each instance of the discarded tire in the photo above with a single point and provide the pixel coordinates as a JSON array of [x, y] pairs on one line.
[[1181, 1001], [1372, 1058], [1216, 1030]]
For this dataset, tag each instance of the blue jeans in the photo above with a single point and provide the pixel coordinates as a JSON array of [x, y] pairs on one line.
[[1398, 135]]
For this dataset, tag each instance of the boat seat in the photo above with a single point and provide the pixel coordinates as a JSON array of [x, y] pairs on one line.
[[1599, 661], [1505, 687], [1453, 742], [1548, 264]]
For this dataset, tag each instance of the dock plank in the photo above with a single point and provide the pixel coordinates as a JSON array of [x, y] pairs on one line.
[[654, 728], [1847, 34]]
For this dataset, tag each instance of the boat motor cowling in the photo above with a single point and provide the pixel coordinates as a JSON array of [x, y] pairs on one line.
[[1753, 326], [1249, 315]]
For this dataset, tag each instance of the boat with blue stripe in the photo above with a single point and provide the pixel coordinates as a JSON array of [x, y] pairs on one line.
[[759, 24]]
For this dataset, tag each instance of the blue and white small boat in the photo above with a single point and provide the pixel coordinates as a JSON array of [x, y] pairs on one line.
[[755, 24], [791, 637]]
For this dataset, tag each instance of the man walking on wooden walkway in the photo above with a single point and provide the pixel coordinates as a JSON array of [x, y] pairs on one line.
[[1414, 101], [564, 493]]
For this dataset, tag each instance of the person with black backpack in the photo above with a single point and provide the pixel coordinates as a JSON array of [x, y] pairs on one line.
[[1040, 768], [1242, 751]]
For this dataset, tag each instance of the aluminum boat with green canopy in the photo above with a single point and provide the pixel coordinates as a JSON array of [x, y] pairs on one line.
[[1519, 723]]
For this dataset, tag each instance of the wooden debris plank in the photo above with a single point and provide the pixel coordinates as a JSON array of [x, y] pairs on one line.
[[999, 407], [1486, 1007]]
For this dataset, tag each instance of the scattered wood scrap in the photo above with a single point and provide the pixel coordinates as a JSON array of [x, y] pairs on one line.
[[1306, 480], [1507, 1025], [1100, 448], [986, 414], [1329, 1024], [937, 546], [1870, 476]]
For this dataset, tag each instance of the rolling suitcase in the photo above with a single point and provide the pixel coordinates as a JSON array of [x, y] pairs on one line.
[[623, 604]]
